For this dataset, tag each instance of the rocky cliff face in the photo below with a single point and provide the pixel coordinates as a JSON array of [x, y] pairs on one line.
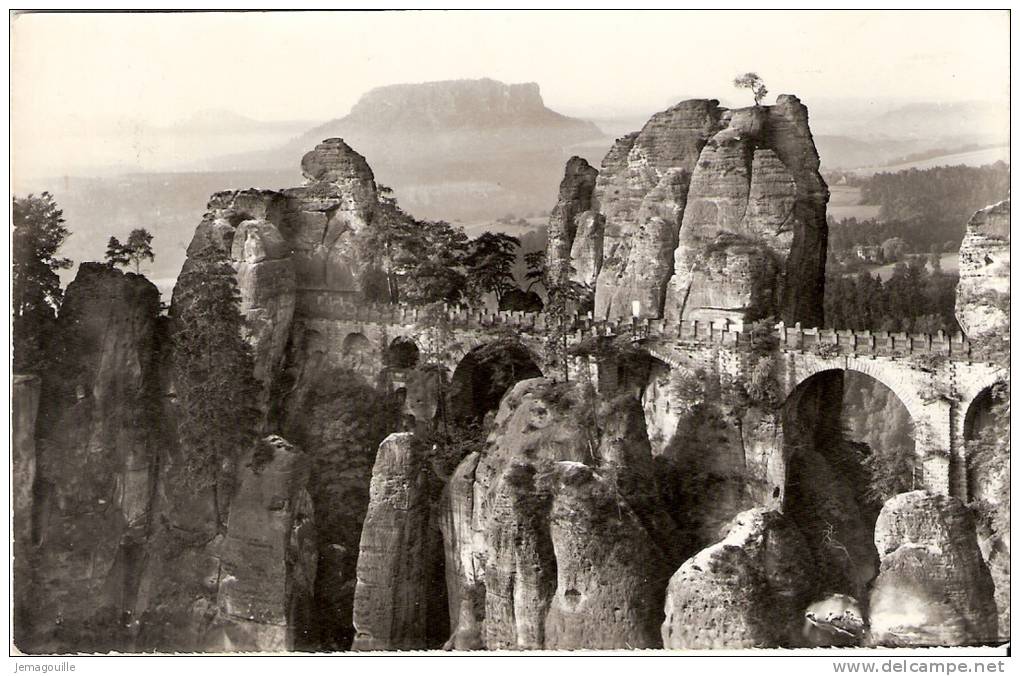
[[982, 296], [25, 392], [572, 220], [97, 441], [933, 587], [554, 535], [712, 213], [399, 552], [284, 243], [268, 556], [748, 590], [298, 238]]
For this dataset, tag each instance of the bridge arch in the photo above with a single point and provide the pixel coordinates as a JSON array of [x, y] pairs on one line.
[[821, 471], [485, 372], [978, 416], [402, 353], [358, 354]]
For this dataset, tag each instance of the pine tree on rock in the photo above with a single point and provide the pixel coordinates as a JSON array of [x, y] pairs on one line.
[[137, 249], [38, 233], [213, 374]]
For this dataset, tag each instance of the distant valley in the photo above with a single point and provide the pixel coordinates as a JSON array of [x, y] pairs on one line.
[[469, 151]]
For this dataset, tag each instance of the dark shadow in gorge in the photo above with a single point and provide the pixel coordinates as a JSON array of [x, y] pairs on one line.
[[836, 482]]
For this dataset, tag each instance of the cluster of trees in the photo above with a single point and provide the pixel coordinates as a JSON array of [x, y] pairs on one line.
[[38, 233], [936, 195], [914, 299], [926, 209], [423, 262], [137, 249], [212, 361], [918, 236]]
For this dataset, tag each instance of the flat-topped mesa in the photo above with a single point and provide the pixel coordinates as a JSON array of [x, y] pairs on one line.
[[711, 213]]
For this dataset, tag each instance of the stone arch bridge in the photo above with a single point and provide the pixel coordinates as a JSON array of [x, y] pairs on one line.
[[937, 377]]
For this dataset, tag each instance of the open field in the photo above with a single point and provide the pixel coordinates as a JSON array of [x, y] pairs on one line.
[[950, 264], [844, 202], [972, 158]]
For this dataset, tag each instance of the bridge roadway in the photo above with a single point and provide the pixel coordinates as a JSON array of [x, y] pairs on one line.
[[938, 377]]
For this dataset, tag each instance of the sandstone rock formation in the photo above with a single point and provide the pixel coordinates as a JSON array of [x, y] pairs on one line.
[[933, 586], [285, 245], [710, 213], [97, 441], [268, 557], [550, 532], [572, 214], [243, 225], [25, 391], [24, 410], [982, 295], [391, 601], [748, 590], [338, 417]]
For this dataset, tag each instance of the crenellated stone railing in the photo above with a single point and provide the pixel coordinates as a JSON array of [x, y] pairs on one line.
[[327, 304]]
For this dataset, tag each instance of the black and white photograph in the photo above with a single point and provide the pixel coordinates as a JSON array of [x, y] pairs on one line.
[[518, 332]]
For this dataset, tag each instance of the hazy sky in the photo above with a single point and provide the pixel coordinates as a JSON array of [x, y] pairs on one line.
[[71, 72]]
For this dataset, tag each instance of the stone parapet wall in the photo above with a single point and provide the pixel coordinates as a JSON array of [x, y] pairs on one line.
[[327, 304]]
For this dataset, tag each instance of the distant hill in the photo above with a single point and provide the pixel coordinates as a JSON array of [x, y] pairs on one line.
[[931, 133], [977, 120], [457, 149]]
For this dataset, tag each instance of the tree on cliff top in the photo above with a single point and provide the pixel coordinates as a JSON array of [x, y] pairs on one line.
[[490, 263], [35, 287], [753, 82], [411, 261], [213, 374], [137, 249]]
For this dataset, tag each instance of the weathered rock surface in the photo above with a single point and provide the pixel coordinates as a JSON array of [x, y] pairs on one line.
[[96, 446], [586, 251], [996, 551], [933, 586], [283, 242], [573, 202], [982, 295], [393, 585], [749, 590], [244, 225], [268, 557], [752, 242], [610, 573], [339, 418], [555, 536], [25, 391], [670, 140], [711, 213]]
